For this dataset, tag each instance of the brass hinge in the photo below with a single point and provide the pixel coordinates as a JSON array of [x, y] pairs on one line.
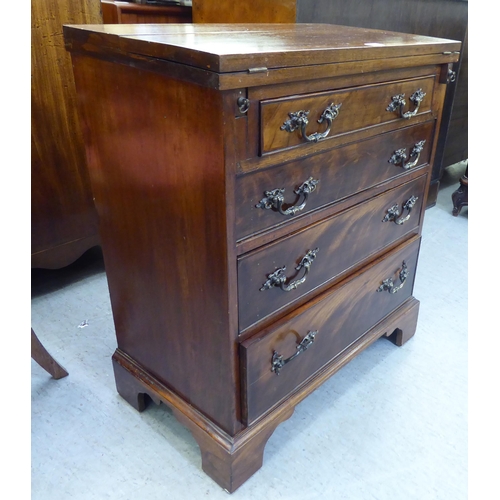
[[258, 70]]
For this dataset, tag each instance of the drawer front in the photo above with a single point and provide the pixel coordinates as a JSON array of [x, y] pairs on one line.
[[283, 121], [339, 317], [273, 197], [326, 250]]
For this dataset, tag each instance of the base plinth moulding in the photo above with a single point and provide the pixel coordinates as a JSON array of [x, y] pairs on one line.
[[231, 460]]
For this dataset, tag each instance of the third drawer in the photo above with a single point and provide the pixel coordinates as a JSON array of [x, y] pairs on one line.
[[274, 277]]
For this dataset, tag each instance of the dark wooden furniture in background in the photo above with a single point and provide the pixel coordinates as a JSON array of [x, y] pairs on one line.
[[45, 359], [460, 197], [133, 13], [260, 223], [438, 18], [63, 217], [246, 11]]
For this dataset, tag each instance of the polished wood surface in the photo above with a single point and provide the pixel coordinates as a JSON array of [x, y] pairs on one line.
[[156, 199], [228, 460], [252, 150], [257, 45], [232, 460], [133, 13], [244, 11], [441, 18], [263, 388], [256, 56], [63, 218], [361, 108], [341, 172], [171, 138], [343, 241]]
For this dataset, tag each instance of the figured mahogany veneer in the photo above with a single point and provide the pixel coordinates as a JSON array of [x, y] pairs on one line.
[[340, 172], [184, 138], [367, 107], [339, 252], [262, 387]]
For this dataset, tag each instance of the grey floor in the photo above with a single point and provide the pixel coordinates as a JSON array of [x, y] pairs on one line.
[[392, 424]]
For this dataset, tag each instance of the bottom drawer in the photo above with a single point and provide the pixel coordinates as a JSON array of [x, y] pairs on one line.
[[280, 358]]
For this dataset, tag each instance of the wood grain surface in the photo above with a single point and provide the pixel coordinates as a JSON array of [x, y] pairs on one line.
[[361, 108], [63, 218], [341, 172], [340, 318], [255, 45], [168, 142], [254, 11], [344, 241], [158, 178], [441, 18]]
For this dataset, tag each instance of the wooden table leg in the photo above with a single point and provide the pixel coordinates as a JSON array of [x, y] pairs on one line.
[[44, 359]]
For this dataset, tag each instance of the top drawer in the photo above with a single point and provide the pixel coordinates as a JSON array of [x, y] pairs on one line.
[[294, 121]]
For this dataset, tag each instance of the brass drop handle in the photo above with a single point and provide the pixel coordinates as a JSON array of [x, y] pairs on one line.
[[299, 120], [388, 284], [399, 102], [277, 362], [274, 199], [393, 213], [278, 278], [399, 156]]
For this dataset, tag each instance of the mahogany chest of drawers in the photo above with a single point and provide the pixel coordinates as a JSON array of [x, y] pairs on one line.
[[260, 191]]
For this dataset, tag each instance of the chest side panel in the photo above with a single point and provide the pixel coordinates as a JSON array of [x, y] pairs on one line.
[[156, 157]]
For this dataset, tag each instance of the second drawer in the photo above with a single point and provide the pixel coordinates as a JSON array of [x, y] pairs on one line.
[[273, 197], [277, 275]]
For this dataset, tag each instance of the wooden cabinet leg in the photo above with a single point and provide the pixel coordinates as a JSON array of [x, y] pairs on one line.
[[129, 388], [407, 326], [228, 460], [231, 464]]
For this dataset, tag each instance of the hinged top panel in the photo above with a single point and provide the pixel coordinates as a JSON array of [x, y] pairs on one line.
[[225, 48]]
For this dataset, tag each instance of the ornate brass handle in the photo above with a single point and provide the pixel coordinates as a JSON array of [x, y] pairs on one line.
[[399, 101], [299, 120], [277, 362], [274, 199], [278, 278], [388, 284], [393, 213], [399, 156]]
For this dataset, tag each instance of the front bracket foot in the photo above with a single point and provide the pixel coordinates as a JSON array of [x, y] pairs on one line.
[[407, 325], [228, 460], [231, 463]]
